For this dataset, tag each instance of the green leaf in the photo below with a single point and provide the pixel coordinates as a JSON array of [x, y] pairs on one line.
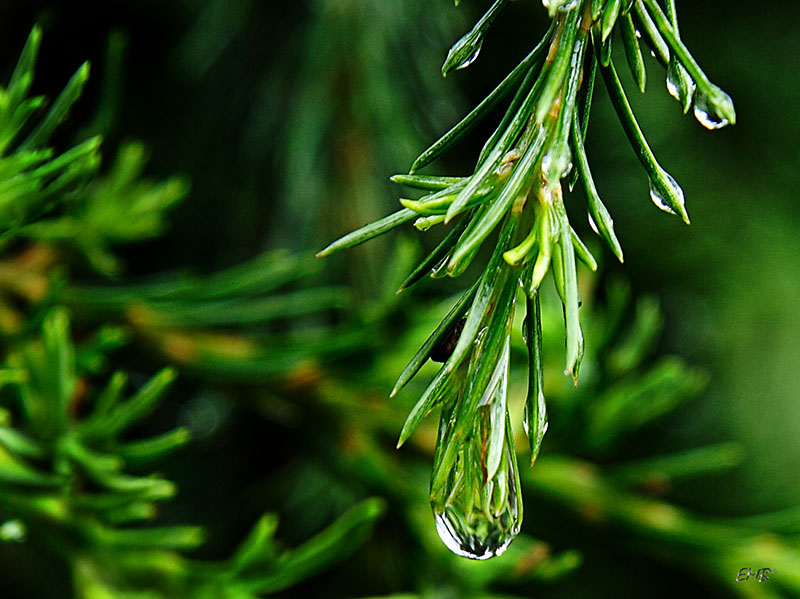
[[597, 8], [436, 256], [21, 444], [560, 68], [259, 548], [181, 538], [598, 213], [610, 15], [651, 34], [466, 50], [582, 251], [496, 272], [516, 186], [572, 323], [633, 52], [59, 111], [468, 123], [664, 190], [678, 466], [142, 403], [444, 328], [155, 447], [680, 84], [439, 389], [23, 73], [334, 543], [370, 231], [426, 182], [632, 404], [15, 471], [713, 107], [60, 378], [535, 407]]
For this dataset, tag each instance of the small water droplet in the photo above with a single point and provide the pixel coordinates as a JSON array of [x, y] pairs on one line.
[[556, 163], [593, 225], [672, 83], [667, 194], [471, 58], [707, 114], [526, 425], [659, 201], [680, 85], [553, 6], [464, 52]]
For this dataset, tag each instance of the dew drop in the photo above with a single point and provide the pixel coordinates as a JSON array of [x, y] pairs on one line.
[[593, 225], [672, 83], [553, 6], [541, 424], [556, 164], [667, 194], [707, 114], [659, 201], [478, 506], [464, 52], [468, 531], [680, 85], [471, 58]]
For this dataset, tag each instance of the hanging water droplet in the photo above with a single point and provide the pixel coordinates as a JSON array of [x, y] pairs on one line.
[[465, 62], [478, 508], [668, 195], [714, 112], [593, 225], [659, 201], [554, 6], [470, 532], [680, 84], [556, 163], [541, 425], [464, 52]]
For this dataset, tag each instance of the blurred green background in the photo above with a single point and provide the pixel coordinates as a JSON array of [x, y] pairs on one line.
[[288, 118]]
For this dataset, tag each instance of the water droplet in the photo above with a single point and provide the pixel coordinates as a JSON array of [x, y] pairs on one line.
[[593, 225], [471, 58], [553, 6], [464, 52], [470, 532], [668, 195], [478, 509], [655, 195], [711, 114], [680, 84], [556, 163]]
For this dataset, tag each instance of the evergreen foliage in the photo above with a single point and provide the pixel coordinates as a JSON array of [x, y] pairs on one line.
[[93, 448]]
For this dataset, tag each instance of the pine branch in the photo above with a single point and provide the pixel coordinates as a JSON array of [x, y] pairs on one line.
[[517, 188]]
